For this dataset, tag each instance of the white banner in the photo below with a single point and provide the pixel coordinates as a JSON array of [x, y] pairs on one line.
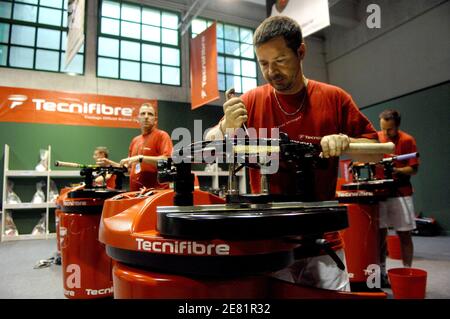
[[75, 35], [312, 15]]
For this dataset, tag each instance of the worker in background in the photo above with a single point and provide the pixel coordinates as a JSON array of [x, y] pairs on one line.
[[100, 157], [398, 211], [145, 150]]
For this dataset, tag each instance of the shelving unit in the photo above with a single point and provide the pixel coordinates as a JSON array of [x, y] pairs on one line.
[[23, 207]]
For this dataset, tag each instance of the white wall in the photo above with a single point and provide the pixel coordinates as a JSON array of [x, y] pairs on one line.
[[314, 66], [411, 51]]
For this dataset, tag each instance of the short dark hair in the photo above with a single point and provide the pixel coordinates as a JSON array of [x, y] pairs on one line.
[[276, 26], [147, 104], [388, 115], [103, 149]]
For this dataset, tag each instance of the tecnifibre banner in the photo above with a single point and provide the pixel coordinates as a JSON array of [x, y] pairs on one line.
[[53, 107], [204, 86], [75, 35]]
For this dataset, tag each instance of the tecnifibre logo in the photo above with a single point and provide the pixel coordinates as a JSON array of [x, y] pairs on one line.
[[183, 247], [71, 106], [83, 108], [16, 100]]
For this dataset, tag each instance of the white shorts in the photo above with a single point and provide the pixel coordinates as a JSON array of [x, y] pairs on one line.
[[398, 212], [319, 271]]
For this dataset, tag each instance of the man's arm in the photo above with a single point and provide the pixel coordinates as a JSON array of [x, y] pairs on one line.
[[152, 160], [352, 123], [412, 166], [336, 144], [165, 148], [407, 170], [107, 162]]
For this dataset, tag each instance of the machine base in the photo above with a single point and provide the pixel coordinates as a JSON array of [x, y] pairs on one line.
[[132, 283]]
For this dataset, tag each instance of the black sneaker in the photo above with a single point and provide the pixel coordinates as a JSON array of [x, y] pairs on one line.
[[57, 260]]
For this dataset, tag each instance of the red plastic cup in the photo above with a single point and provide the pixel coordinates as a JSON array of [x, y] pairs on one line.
[[408, 283], [394, 247]]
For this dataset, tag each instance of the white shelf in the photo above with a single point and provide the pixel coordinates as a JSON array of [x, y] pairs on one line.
[[25, 206], [31, 173], [25, 173], [28, 237], [48, 176], [65, 174]]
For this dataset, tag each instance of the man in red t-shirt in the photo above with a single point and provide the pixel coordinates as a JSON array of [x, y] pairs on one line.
[[308, 111], [145, 150], [398, 211]]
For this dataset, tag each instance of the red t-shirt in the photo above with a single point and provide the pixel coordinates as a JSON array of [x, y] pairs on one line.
[[404, 144], [327, 110], [111, 182], [156, 143]]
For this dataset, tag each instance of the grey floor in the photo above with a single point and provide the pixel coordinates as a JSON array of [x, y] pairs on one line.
[[18, 279]]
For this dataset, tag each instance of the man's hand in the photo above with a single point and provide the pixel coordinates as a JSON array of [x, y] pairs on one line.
[[106, 162], [235, 112], [126, 162], [99, 180], [235, 115], [103, 162], [334, 145]]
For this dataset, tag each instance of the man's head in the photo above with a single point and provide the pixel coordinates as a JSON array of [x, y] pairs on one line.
[[147, 117], [100, 152], [390, 122], [280, 50]]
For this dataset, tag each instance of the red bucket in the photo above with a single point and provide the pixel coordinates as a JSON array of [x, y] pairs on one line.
[[394, 247], [408, 283]]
